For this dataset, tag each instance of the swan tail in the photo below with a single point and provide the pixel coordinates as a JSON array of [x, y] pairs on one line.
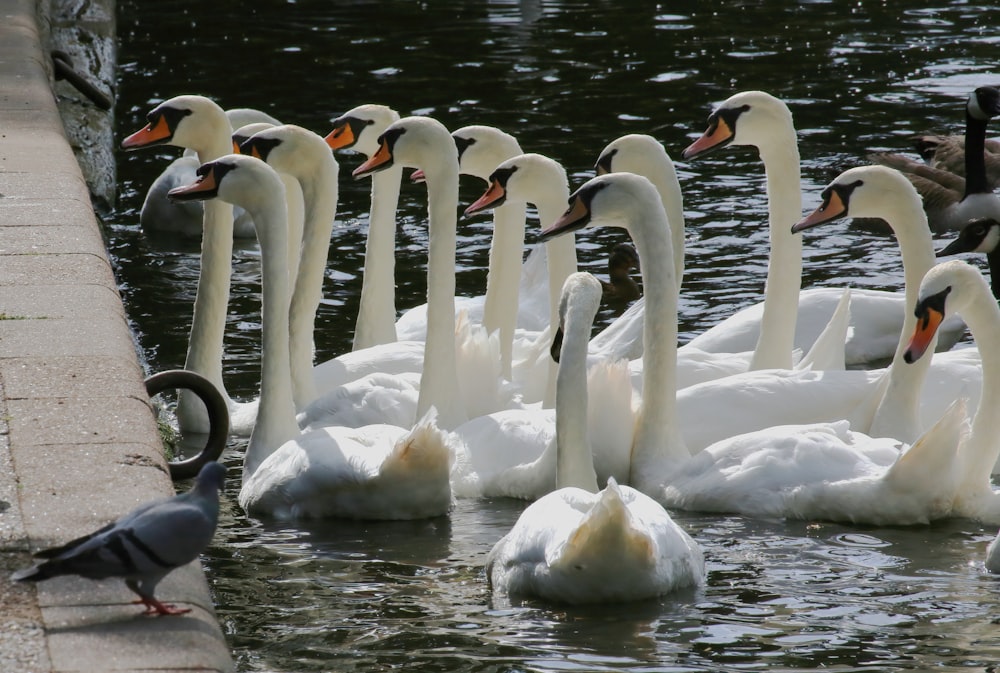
[[604, 536], [863, 414], [930, 463], [827, 352], [425, 446]]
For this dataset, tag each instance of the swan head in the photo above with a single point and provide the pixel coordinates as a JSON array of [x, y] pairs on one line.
[[984, 103], [617, 199], [979, 235], [288, 148], [578, 304], [948, 288], [632, 153], [183, 121], [865, 191], [242, 180], [243, 133], [359, 128], [482, 148], [747, 118], [416, 142], [525, 178]]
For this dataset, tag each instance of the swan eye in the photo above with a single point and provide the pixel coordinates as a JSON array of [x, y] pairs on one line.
[[463, 144], [502, 175], [935, 302], [171, 115], [603, 164]]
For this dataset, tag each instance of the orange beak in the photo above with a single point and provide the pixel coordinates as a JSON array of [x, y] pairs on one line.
[[152, 133], [830, 209], [923, 335], [715, 136], [204, 187], [575, 217], [494, 194], [340, 137], [376, 162]]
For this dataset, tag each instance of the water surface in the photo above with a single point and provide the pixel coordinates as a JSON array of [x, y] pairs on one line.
[[566, 77]]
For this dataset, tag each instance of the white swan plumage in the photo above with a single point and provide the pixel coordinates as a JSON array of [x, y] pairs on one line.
[[886, 402], [541, 181], [577, 545], [298, 152], [160, 215], [424, 143], [358, 129], [199, 124], [827, 472], [775, 328], [512, 453], [373, 472]]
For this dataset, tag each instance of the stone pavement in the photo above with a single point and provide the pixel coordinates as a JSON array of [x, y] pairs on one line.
[[78, 442]]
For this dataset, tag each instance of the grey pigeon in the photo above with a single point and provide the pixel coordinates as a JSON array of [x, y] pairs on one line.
[[144, 545]]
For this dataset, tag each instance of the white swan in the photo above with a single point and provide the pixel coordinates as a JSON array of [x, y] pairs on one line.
[[770, 472], [300, 153], [293, 197], [887, 402], [644, 155], [789, 318], [424, 143], [950, 201], [513, 453], [197, 123], [373, 472], [577, 545], [541, 181], [359, 129], [865, 192], [480, 149], [826, 472], [160, 215]]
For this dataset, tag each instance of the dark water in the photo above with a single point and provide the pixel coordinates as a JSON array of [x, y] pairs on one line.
[[566, 78]]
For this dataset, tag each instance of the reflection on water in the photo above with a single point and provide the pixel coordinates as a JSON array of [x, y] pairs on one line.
[[566, 77]]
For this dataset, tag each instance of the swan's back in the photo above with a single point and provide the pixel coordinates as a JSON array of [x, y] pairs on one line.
[[576, 547]]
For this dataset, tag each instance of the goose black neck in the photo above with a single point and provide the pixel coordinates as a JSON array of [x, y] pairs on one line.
[[975, 161]]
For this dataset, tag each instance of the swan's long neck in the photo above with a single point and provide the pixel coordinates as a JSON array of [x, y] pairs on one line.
[[503, 278], [975, 159], [276, 414], [657, 446], [574, 458], [319, 192], [784, 270], [377, 311], [897, 414], [295, 208], [664, 178], [560, 259], [211, 303], [981, 450], [439, 379]]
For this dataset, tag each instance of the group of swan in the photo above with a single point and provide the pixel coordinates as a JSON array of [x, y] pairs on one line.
[[667, 444]]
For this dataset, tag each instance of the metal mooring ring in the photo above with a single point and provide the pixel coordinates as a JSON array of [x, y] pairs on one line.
[[218, 416]]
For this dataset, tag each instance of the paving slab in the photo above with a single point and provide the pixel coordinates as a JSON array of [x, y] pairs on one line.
[[79, 446]]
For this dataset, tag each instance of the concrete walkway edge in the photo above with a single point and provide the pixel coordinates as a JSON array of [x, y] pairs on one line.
[[78, 442]]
